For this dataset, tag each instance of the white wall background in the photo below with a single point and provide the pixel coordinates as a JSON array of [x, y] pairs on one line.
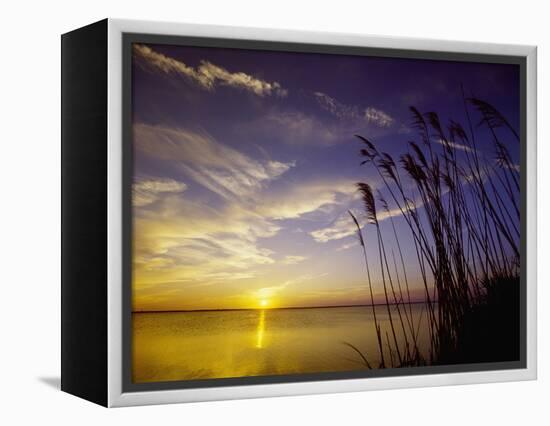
[[30, 200]]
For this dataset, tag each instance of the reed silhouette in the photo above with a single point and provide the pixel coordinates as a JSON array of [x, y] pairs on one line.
[[462, 210]]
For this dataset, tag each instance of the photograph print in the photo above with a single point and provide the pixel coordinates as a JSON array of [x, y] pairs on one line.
[[302, 213]]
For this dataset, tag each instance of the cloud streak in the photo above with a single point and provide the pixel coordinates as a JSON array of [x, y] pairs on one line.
[[378, 117], [455, 145], [305, 198], [207, 75], [337, 109], [293, 260], [219, 168], [353, 112], [147, 191], [343, 226]]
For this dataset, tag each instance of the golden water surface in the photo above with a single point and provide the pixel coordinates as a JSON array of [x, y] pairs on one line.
[[218, 344]]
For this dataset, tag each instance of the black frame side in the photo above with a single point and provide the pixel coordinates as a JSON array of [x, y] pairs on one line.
[[84, 212]]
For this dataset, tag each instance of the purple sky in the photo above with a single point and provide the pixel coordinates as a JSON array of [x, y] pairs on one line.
[[245, 164]]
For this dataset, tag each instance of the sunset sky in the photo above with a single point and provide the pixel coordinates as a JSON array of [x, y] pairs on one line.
[[245, 164]]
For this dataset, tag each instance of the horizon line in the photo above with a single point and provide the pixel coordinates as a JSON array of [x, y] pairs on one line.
[[278, 308]]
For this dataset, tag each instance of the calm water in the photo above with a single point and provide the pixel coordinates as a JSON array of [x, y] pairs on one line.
[[216, 344]]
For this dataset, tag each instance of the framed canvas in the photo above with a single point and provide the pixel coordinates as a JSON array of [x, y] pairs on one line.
[[250, 213]]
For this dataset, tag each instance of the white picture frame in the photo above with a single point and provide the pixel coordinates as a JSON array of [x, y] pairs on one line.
[[116, 395]]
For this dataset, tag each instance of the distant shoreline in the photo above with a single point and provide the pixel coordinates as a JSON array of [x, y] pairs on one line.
[[277, 309]]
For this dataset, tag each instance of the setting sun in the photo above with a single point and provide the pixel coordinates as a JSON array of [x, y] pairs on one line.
[[264, 303]]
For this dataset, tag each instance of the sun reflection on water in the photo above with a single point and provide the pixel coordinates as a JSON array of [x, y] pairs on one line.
[[260, 330]]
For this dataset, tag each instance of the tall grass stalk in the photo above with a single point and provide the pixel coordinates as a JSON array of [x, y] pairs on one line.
[[461, 207]]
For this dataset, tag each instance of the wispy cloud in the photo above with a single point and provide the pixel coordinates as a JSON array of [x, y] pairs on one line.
[[353, 113], [187, 239], [347, 246], [340, 228], [336, 108], [378, 117], [147, 191], [293, 260], [454, 145], [185, 243], [343, 226], [207, 75], [218, 167], [305, 198], [295, 127]]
